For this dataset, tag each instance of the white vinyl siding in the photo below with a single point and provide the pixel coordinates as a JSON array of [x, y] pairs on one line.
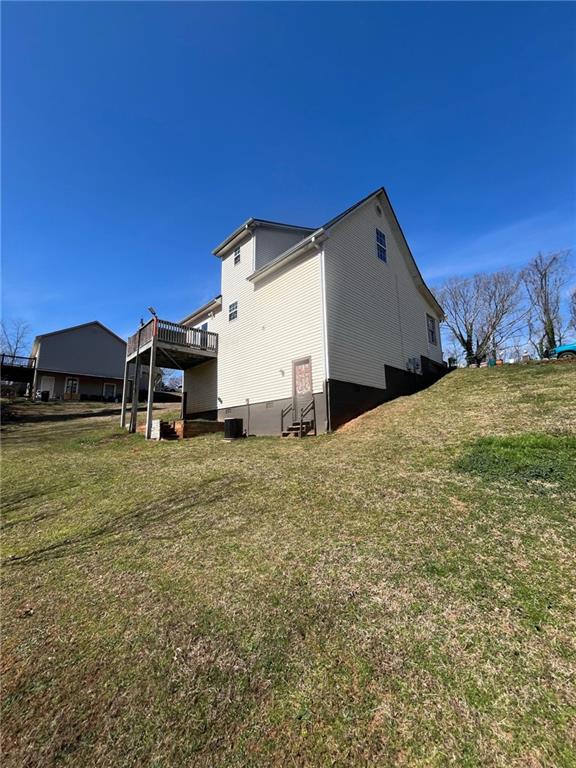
[[280, 320], [376, 315], [199, 383], [200, 387], [270, 243]]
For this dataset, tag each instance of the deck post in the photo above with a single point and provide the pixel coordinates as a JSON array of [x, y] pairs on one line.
[[124, 394], [34, 382], [151, 376], [135, 389]]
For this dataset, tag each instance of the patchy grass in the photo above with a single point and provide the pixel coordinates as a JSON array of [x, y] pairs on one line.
[[549, 459], [400, 593]]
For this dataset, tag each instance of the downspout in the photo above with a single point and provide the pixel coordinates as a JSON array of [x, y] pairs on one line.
[[400, 320], [325, 338]]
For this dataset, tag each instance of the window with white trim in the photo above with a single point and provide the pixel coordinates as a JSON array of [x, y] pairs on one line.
[[109, 390], [236, 256], [232, 311], [381, 245], [71, 387], [432, 332]]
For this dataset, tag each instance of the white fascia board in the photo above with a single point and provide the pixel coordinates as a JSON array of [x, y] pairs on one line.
[[314, 241]]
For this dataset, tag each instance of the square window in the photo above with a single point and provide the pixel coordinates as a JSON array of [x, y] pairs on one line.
[[431, 327], [109, 391], [381, 245], [233, 311], [236, 257]]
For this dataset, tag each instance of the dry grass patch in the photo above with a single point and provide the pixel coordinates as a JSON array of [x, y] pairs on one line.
[[399, 593]]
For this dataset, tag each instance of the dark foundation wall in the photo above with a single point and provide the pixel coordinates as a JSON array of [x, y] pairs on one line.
[[206, 415], [348, 400], [264, 418]]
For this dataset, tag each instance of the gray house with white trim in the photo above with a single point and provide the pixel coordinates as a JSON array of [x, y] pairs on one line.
[[84, 362]]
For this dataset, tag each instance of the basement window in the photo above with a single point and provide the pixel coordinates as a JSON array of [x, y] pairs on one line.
[[431, 327], [381, 245], [232, 311], [236, 257]]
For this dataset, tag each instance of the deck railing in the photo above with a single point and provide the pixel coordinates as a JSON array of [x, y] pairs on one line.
[[17, 360], [173, 333]]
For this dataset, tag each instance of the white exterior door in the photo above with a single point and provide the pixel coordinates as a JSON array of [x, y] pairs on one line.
[[47, 385]]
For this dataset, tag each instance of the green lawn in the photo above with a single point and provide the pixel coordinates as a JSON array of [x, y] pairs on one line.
[[401, 593]]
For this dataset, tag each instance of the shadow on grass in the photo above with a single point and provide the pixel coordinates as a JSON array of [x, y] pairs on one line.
[[15, 416], [134, 521]]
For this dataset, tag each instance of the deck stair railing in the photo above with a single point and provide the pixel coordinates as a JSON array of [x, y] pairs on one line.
[[301, 426], [284, 413], [310, 408]]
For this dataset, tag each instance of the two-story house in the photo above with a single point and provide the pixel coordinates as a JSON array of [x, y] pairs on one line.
[[81, 362], [319, 324]]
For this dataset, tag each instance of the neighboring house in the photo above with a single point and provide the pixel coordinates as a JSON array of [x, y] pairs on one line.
[[83, 362], [333, 320]]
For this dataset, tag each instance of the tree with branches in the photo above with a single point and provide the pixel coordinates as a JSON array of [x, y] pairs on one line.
[[573, 309], [14, 337], [544, 279], [482, 311]]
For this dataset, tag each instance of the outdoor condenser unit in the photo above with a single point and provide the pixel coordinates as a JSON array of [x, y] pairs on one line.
[[233, 428]]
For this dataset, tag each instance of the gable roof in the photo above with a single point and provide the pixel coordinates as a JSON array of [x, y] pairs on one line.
[[320, 233], [251, 224], [340, 216], [75, 327], [212, 304]]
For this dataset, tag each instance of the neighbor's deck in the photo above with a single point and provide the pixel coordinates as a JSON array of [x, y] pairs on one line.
[[17, 368], [176, 346]]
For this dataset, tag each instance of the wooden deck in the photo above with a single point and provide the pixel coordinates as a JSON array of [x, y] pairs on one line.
[[176, 346], [162, 344], [17, 368]]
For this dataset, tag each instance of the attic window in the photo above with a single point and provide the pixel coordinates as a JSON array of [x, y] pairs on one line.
[[378, 210], [236, 256], [381, 245]]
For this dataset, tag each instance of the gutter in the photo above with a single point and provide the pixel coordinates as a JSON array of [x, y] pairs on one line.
[[252, 223], [235, 237], [314, 240], [215, 302]]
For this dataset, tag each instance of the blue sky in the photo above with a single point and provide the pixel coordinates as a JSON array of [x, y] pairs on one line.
[[136, 136]]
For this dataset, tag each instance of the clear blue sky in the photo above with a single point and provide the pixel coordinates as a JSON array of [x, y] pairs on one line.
[[136, 136]]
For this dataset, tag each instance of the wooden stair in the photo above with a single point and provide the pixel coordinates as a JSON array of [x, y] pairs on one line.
[[294, 429]]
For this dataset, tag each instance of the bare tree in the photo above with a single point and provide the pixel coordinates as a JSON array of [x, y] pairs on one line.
[[573, 309], [14, 336], [174, 381], [544, 278], [482, 311]]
